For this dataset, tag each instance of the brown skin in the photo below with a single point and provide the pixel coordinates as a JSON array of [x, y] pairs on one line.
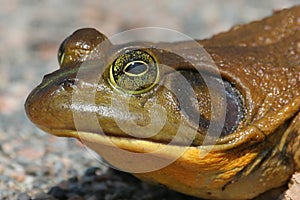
[[259, 149]]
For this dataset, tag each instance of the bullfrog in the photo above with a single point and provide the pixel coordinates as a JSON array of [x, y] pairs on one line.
[[150, 105]]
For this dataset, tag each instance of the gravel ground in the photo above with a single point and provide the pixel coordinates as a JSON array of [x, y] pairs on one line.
[[33, 163]]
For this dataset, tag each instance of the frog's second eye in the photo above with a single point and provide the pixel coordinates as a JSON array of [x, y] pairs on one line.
[[83, 45], [134, 72], [61, 52]]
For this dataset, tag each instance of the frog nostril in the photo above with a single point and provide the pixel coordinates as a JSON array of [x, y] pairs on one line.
[[70, 82]]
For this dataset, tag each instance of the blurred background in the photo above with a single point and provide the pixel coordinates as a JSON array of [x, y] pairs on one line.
[[31, 31]]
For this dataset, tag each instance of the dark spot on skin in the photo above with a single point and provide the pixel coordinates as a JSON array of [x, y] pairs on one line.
[[69, 82]]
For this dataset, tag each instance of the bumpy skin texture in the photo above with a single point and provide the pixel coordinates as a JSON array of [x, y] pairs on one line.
[[261, 59]]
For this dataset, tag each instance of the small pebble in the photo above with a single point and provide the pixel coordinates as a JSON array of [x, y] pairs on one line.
[[1, 169], [58, 192], [43, 196], [294, 191], [92, 171], [23, 196]]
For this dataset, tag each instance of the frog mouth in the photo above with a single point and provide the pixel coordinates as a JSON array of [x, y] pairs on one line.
[[137, 144], [123, 153]]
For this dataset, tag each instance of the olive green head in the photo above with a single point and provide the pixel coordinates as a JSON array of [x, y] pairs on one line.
[[142, 83]]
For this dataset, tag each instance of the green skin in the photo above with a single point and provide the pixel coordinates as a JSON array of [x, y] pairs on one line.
[[262, 73]]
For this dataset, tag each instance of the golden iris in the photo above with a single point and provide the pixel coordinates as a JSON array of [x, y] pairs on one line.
[[134, 72]]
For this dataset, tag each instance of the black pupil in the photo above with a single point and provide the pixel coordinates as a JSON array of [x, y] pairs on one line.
[[136, 68]]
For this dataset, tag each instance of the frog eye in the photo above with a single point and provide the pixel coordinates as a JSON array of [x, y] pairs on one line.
[[61, 52], [83, 45], [134, 72]]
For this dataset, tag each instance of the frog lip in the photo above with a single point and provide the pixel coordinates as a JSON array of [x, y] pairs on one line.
[[94, 137], [126, 142], [99, 138]]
